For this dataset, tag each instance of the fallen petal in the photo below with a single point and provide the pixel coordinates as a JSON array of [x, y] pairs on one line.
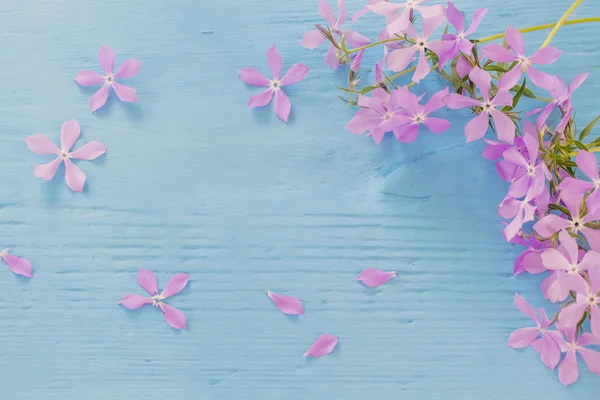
[[322, 346], [174, 317], [175, 285], [372, 277], [133, 301], [286, 304], [19, 266]]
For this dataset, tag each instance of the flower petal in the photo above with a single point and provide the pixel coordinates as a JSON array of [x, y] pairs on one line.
[[406, 133], [436, 101], [463, 68], [147, 280], [571, 314], [133, 301], [312, 39], [275, 61], [595, 320], [327, 12], [509, 79], [89, 78], [175, 285], [99, 98], [455, 101], [261, 99], [372, 277], [89, 151], [437, 125], [505, 128], [252, 77], [128, 69], [19, 266], [174, 317], [549, 352], [568, 371], [106, 56], [575, 186], [539, 78], [40, 144], [498, 53], [331, 58], [356, 39], [74, 177], [555, 260], [523, 337], [322, 346], [477, 127], [545, 55], [47, 171], [286, 304], [526, 308], [588, 164], [550, 224], [125, 93], [591, 359], [399, 59], [422, 68], [591, 263], [515, 40], [296, 73], [69, 133], [482, 80], [361, 123], [282, 105], [455, 17], [477, 17]]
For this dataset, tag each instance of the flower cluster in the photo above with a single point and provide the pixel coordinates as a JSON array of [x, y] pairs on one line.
[[548, 208]]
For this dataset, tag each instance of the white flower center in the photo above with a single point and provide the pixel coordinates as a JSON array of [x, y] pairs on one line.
[[488, 106], [419, 118], [110, 79], [157, 300], [275, 84], [64, 154], [575, 225], [573, 269], [531, 170], [421, 43]]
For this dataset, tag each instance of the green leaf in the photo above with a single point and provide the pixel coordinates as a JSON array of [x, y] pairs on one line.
[[526, 92], [559, 208], [580, 145], [494, 68], [588, 128], [368, 89], [519, 93]]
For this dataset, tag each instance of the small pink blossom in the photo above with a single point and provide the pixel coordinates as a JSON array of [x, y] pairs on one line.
[[322, 346], [147, 280], [398, 22], [19, 266], [286, 304], [588, 164], [568, 370], [587, 299], [372, 277], [128, 69], [282, 104], [69, 133]]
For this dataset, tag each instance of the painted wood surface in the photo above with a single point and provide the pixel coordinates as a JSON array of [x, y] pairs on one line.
[[194, 182]]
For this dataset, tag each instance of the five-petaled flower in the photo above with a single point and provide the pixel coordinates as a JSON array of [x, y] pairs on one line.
[[69, 133], [128, 69], [398, 22], [147, 280], [282, 105]]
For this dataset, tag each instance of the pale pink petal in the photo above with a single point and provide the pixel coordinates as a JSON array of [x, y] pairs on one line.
[[106, 56], [549, 352], [570, 245], [505, 128], [523, 337], [402, 24], [498, 53], [89, 78], [282, 105], [98, 99], [128, 69], [343, 14], [372, 277], [572, 314], [503, 98], [482, 80], [175, 285], [275, 61], [575, 186], [385, 8], [539, 78], [252, 77], [322, 346], [147, 280], [509, 79], [591, 359], [399, 59], [47, 171], [174, 317], [89, 151], [312, 39], [327, 12], [436, 101], [40, 144], [550, 224], [286, 304], [355, 39], [428, 12], [455, 101], [261, 99], [588, 164], [477, 127], [296, 73], [422, 68], [515, 40], [568, 371], [526, 308], [133, 301], [19, 266], [595, 320], [587, 339], [69, 133], [74, 177], [591, 263], [463, 68], [574, 282], [554, 260], [546, 55], [477, 17], [331, 57], [437, 125], [406, 133], [125, 93]]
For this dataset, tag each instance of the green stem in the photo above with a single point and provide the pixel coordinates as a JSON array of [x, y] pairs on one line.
[[542, 27], [591, 150], [560, 23]]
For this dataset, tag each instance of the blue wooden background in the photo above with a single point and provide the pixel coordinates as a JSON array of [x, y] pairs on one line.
[[194, 182]]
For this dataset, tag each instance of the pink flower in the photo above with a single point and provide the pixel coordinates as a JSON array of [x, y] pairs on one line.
[[372, 277], [398, 22], [587, 299], [459, 40], [286, 304], [314, 38], [147, 281], [399, 59], [69, 133], [322, 346], [588, 164], [128, 69], [498, 53], [478, 126], [568, 370], [520, 211], [414, 114], [282, 105], [19, 266], [548, 343], [530, 260]]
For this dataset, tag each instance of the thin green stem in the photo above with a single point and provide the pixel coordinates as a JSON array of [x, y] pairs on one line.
[[560, 23], [396, 39], [591, 150], [542, 27]]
